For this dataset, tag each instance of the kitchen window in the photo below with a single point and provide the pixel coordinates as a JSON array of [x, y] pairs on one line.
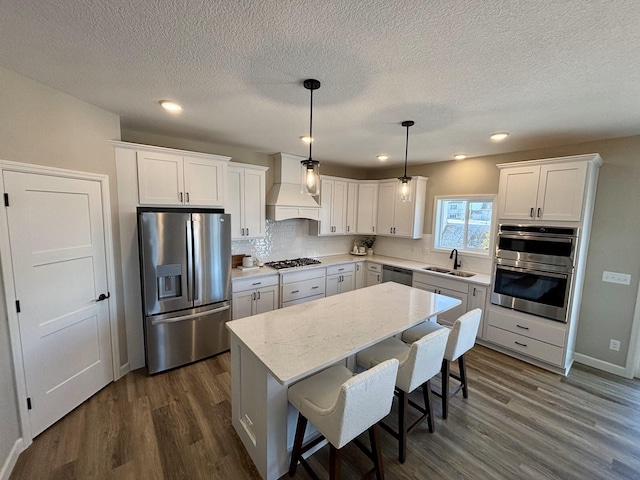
[[464, 223]]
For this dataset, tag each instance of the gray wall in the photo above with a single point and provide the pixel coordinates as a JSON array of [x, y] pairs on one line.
[[40, 125], [607, 309]]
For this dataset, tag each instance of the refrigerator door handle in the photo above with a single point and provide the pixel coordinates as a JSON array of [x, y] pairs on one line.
[[197, 257], [189, 261], [189, 317]]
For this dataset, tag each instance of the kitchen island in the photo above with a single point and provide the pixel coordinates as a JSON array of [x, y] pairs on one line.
[[270, 351]]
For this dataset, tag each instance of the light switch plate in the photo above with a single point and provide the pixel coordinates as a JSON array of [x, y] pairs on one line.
[[614, 277]]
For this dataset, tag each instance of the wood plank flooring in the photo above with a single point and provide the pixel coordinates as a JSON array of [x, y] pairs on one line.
[[520, 422]]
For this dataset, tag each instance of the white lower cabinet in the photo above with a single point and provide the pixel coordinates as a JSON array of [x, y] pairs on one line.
[[361, 275], [251, 296], [302, 286], [532, 336], [340, 279], [477, 298], [374, 274]]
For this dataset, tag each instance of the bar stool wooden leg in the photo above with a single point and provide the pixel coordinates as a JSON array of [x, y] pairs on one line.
[[428, 405], [297, 444], [376, 450], [445, 388], [463, 376], [335, 463], [403, 407]]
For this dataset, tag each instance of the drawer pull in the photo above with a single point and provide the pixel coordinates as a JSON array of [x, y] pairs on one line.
[[521, 344], [340, 269], [317, 286], [520, 326], [257, 283], [295, 291]]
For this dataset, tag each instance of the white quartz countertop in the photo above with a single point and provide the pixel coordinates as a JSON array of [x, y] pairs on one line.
[[327, 261], [297, 341]]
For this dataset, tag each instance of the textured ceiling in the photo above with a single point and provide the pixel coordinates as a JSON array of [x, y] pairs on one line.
[[550, 72]]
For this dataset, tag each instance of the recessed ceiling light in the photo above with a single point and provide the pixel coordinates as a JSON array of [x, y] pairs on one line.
[[171, 106], [382, 157], [459, 156], [306, 139], [499, 136]]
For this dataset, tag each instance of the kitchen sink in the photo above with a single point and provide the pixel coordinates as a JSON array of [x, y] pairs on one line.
[[437, 269], [458, 273]]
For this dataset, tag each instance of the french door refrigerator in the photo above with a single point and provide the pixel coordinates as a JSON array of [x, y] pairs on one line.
[[185, 268]]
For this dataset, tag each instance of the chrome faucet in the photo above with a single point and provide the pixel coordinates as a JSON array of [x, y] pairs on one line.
[[456, 263]]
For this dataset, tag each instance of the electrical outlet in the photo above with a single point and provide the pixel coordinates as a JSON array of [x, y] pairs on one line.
[[613, 277], [614, 345]]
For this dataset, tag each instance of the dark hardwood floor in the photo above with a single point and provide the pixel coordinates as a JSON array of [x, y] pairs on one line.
[[520, 422]]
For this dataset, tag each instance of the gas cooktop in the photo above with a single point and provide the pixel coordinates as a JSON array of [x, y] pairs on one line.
[[296, 262]]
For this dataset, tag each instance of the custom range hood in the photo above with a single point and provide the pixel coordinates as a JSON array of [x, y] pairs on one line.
[[285, 199]]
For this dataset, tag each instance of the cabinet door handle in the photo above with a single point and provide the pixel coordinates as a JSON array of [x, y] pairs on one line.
[[254, 295], [242, 232], [357, 267], [373, 229], [531, 213], [295, 291], [539, 212], [523, 328], [181, 197], [247, 231], [521, 344], [187, 197], [258, 295], [474, 291], [348, 228], [378, 277]]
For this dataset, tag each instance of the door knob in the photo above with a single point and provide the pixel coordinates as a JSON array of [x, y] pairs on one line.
[[103, 297]]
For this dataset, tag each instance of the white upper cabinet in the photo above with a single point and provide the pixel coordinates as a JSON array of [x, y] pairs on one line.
[[246, 200], [401, 219], [352, 207], [169, 178], [548, 190], [367, 209], [333, 207]]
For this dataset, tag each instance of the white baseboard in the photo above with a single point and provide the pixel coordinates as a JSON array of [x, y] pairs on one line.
[[10, 461], [600, 364], [124, 369]]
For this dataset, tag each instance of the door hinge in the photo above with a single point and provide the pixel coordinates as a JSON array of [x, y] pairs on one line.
[[6, 199], [28, 403], [18, 305]]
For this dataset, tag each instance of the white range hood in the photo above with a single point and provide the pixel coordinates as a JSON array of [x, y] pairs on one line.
[[285, 199]]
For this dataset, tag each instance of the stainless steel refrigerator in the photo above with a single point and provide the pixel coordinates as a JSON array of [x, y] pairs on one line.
[[185, 267]]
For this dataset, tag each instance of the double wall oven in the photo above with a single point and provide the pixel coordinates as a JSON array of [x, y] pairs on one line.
[[534, 269]]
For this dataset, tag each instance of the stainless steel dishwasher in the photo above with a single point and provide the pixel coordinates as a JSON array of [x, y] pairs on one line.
[[397, 274]]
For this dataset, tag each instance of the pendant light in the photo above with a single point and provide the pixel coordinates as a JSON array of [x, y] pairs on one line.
[[404, 189], [311, 167]]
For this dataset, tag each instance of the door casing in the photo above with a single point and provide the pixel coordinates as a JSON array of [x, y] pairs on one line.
[[9, 286]]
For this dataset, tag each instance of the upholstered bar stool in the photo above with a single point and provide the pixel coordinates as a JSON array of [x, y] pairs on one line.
[[462, 338], [418, 364], [342, 406]]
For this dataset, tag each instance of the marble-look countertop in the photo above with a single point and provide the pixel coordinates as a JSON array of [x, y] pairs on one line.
[[477, 279], [297, 341]]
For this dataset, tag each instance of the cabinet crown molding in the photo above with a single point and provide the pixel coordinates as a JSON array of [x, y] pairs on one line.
[[595, 158], [153, 148]]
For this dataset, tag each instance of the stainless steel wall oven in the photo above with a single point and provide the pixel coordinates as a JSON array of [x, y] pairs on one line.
[[534, 269]]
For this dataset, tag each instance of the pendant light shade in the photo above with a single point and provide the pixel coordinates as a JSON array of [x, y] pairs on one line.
[[310, 167], [404, 187]]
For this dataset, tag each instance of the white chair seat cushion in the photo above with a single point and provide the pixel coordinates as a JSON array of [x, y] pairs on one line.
[[384, 350], [342, 406], [321, 389], [419, 331]]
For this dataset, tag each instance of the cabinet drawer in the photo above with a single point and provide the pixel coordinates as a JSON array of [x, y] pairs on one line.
[[303, 275], [343, 268], [441, 282], [302, 300], [374, 267], [253, 283], [525, 345], [532, 328], [302, 289]]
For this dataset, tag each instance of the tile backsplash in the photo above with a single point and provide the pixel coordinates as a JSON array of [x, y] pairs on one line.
[[289, 239]]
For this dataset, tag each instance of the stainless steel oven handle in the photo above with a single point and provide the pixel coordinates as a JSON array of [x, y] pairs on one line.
[[536, 272], [537, 237]]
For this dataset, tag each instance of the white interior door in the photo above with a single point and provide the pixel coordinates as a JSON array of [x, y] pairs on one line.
[[56, 233]]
